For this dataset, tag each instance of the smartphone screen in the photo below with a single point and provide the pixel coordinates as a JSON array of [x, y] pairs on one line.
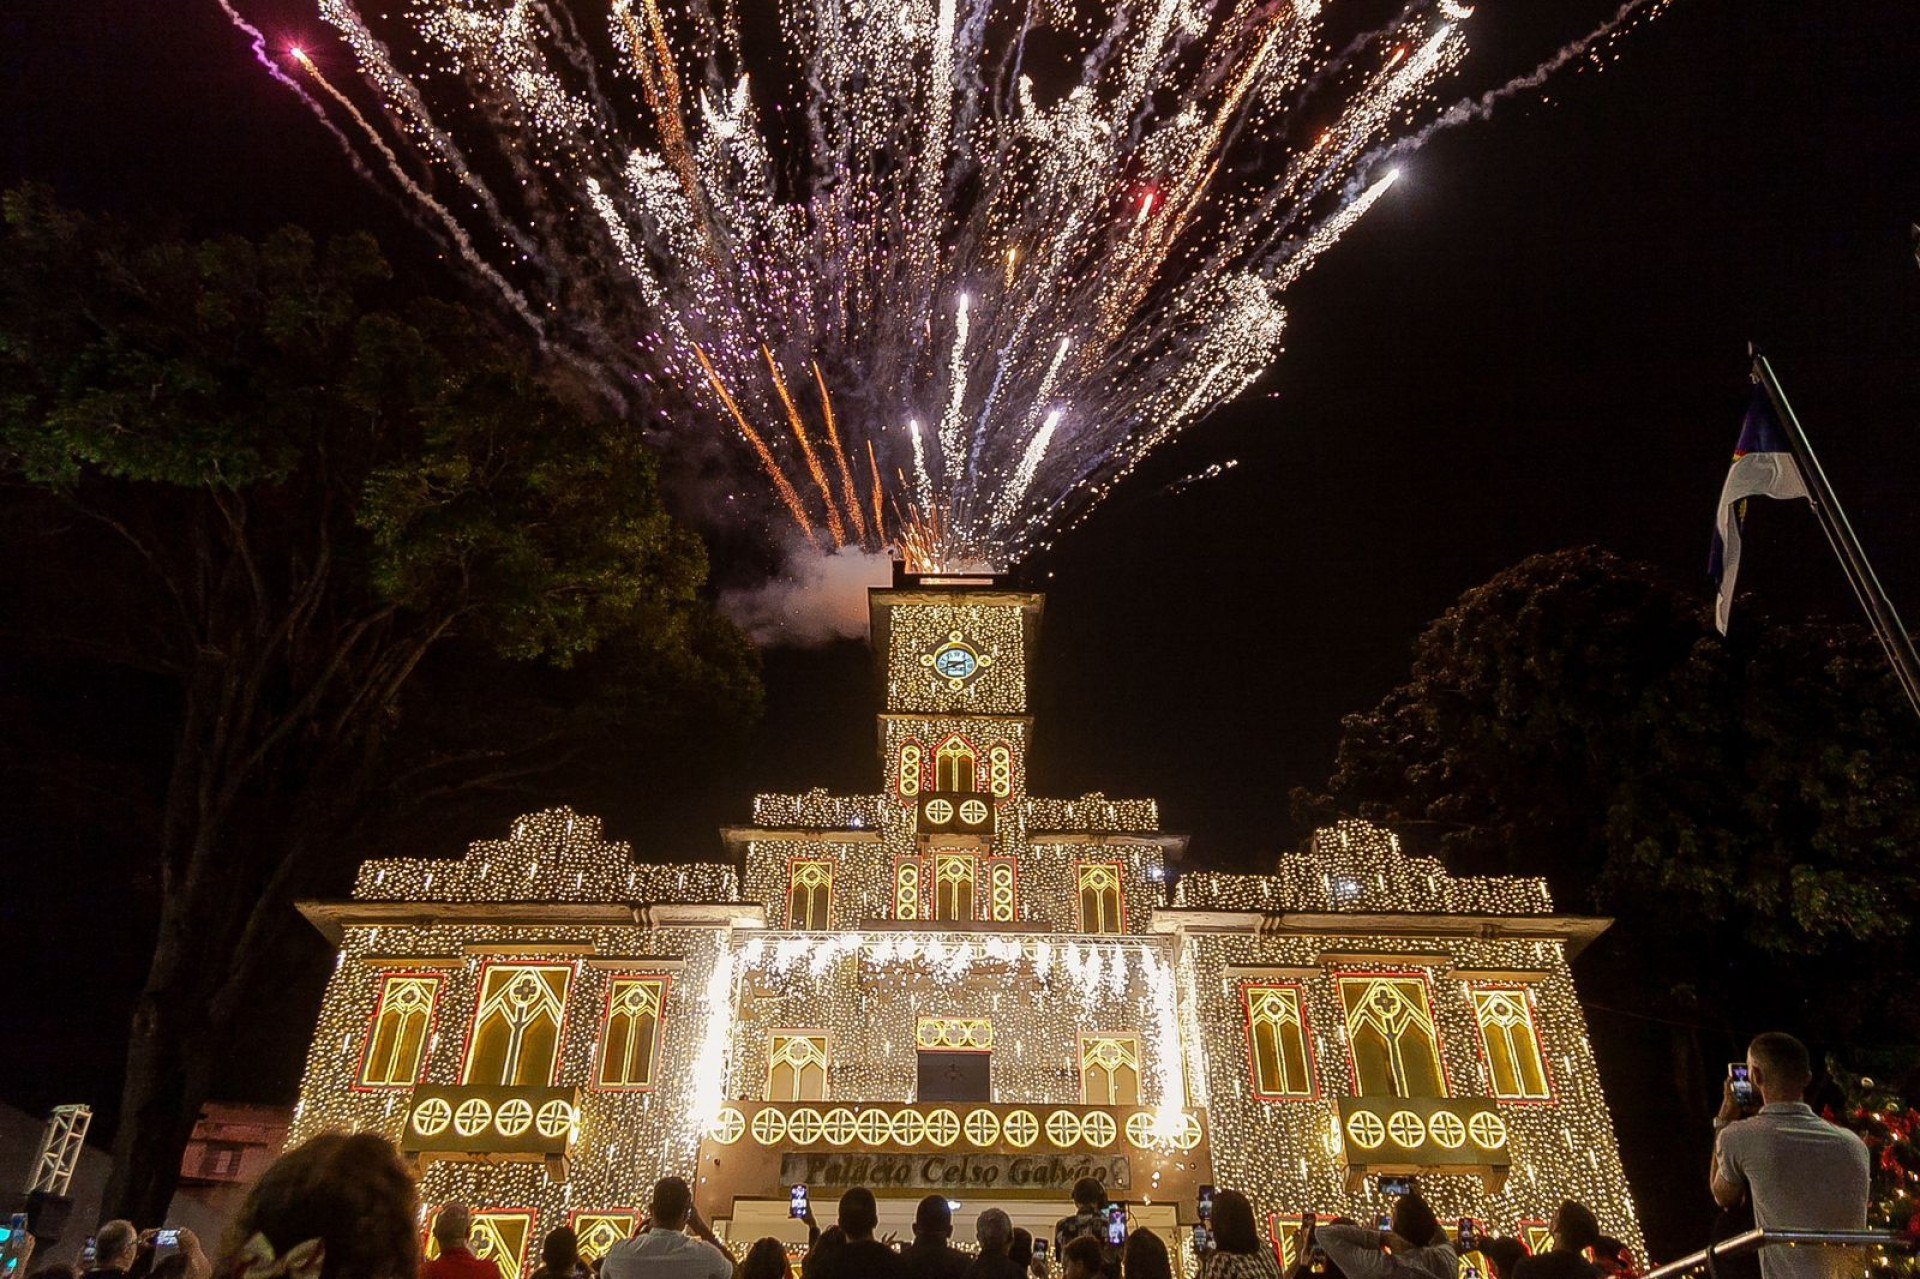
[[1743, 1089], [1385, 1222], [1201, 1240], [1468, 1241], [1206, 1203], [1116, 1224], [1040, 1249], [1394, 1187], [164, 1239], [797, 1202]]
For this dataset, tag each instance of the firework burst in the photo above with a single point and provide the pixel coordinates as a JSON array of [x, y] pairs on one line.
[[943, 271]]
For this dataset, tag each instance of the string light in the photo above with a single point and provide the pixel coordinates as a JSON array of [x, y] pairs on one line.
[[1562, 1148], [1162, 993]]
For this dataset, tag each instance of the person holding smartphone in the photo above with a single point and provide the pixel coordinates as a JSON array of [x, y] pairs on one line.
[[1090, 1220], [1575, 1229], [677, 1245], [1802, 1172], [1414, 1241], [178, 1255], [115, 1245], [1238, 1250]]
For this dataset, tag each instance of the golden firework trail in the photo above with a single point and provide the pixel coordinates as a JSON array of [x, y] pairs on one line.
[[1019, 244], [781, 485], [840, 455], [835, 525]]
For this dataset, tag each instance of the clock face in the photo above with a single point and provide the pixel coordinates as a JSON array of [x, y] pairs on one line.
[[957, 662]]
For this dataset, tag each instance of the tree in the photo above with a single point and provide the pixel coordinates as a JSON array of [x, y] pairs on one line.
[[1744, 808], [330, 506], [1757, 797]]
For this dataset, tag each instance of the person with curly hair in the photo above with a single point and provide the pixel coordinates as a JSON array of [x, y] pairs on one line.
[[341, 1206]]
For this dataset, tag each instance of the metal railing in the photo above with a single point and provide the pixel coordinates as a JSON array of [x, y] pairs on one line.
[[1754, 1240]]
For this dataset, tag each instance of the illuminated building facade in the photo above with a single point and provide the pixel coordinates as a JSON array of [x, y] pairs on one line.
[[953, 985]]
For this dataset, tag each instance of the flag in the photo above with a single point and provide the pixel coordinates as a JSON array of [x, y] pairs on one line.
[[1763, 466]]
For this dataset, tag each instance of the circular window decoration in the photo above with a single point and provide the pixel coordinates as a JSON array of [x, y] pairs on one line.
[[726, 1125], [939, 811], [1098, 1129], [431, 1117], [1140, 1130], [472, 1116], [514, 1117], [872, 1127], [943, 1127], [555, 1119], [838, 1126], [803, 1125], [769, 1127], [982, 1127], [1365, 1130], [973, 812], [1447, 1131], [1488, 1130], [1020, 1128], [909, 1127], [1407, 1129], [1190, 1132], [1063, 1128]]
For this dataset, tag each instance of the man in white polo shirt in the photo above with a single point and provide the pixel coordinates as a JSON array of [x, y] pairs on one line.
[[667, 1251], [1803, 1172]]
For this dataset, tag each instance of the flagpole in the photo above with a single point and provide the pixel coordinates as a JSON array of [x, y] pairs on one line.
[[1887, 627]]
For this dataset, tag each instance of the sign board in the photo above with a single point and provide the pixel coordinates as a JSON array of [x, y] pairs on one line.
[[957, 1172]]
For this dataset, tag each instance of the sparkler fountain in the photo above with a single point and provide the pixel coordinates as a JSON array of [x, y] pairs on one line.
[[948, 269]]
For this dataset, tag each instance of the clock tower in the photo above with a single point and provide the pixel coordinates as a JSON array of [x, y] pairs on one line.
[[954, 734]]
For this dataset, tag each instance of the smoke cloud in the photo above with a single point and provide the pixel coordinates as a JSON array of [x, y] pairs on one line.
[[820, 596]]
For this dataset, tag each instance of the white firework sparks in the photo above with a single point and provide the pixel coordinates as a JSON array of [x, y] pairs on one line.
[[1057, 230]]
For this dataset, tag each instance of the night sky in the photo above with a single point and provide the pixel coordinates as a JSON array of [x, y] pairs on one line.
[[1535, 341]]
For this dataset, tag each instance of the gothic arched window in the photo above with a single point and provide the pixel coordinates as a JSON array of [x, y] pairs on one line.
[[1277, 1042], [953, 885], [1100, 901], [516, 1029], [631, 1041], [1110, 1070], [1514, 1064], [797, 1065], [953, 765], [1390, 1031], [397, 1041], [809, 895]]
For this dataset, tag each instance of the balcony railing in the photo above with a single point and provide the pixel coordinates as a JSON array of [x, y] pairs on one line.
[[490, 1121], [1405, 1135], [1754, 1240], [960, 1126]]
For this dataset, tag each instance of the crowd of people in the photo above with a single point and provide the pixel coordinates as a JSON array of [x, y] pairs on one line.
[[344, 1207]]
